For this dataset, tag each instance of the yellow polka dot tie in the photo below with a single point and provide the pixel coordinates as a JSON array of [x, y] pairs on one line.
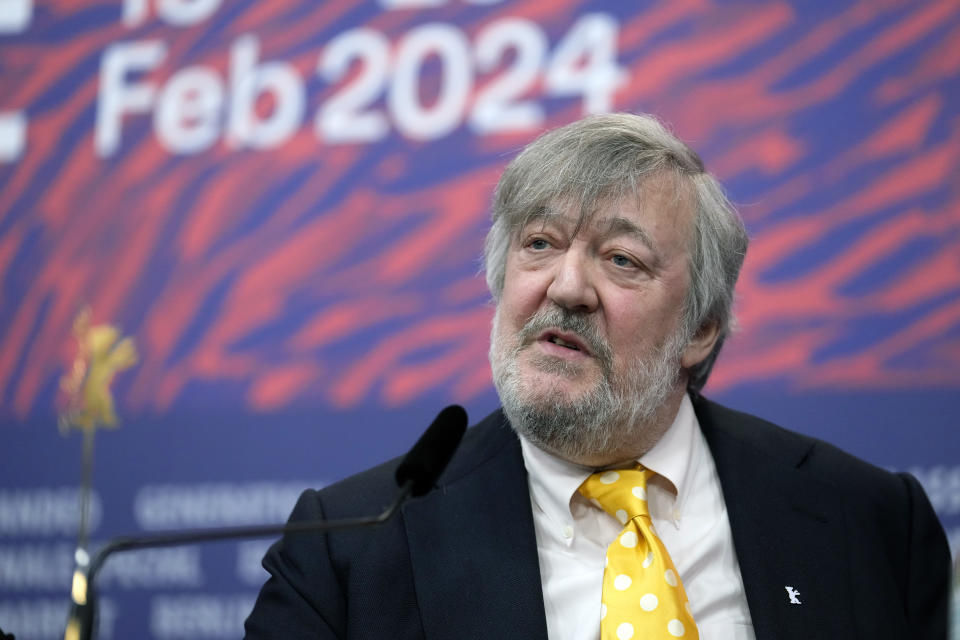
[[642, 593]]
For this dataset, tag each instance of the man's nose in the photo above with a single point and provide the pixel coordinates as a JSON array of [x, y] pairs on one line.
[[572, 286]]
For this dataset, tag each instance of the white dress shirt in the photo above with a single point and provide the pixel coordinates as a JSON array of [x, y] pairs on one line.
[[688, 513]]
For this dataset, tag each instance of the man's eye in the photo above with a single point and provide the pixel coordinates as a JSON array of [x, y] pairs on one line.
[[622, 261], [539, 244]]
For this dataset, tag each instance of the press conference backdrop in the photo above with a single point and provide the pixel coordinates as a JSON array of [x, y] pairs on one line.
[[284, 202]]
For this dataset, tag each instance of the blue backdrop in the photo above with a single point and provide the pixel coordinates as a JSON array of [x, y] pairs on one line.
[[283, 204]]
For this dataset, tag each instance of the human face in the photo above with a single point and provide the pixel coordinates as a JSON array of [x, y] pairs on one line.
[[588, 338]]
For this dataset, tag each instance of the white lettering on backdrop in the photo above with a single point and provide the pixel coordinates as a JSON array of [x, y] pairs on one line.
[[492, 83]]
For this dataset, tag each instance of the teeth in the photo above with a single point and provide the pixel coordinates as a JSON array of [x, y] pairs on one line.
[[563, 343]]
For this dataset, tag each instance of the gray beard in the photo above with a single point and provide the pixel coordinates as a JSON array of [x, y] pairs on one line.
[[617, 408]]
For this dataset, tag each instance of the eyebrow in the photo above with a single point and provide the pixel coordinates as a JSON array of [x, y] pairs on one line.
[[543, 216], [618, 225]]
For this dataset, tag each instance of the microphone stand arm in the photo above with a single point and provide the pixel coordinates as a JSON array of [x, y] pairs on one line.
[[83, 610]]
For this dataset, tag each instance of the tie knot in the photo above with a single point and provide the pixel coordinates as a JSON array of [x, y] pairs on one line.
[[621, 492]]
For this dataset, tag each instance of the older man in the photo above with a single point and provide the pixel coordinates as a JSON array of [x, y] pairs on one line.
[[621, 504]]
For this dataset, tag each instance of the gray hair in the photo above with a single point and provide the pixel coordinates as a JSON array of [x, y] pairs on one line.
[[606, 158]]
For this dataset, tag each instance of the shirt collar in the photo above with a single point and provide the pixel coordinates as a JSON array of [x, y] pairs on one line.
[[673, 455], [554, 481]]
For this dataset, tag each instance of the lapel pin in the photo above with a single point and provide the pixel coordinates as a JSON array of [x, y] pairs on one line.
[[793, 593]]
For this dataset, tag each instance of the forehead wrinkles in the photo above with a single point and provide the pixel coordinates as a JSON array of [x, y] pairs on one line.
[[663, 190], [670, 192]]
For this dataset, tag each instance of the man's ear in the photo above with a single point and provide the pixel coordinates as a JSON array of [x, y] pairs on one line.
[[700, 345]]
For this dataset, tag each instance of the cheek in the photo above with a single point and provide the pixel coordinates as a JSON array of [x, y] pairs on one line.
[[520, 298], [507, 322], [508, 325], [634, 327]]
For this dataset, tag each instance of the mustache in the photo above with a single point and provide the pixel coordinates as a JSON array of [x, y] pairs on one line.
[[571, 322]]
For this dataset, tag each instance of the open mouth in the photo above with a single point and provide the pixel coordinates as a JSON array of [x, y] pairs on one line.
[[563, 343], [565, 340]]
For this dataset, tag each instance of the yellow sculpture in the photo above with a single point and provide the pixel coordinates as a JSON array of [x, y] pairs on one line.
[[101, 354]]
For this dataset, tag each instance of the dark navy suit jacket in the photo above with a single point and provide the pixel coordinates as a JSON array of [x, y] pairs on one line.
[[861, 545]]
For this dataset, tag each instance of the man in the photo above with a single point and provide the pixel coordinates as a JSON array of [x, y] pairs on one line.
[[612, 258]]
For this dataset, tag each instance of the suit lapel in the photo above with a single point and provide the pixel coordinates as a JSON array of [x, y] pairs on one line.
[[474, 556], [473, 547], [788, 531]]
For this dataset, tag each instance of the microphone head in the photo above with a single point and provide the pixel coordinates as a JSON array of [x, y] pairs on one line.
[[429, 456]]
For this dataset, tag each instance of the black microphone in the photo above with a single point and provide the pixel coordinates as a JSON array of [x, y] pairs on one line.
[[430, 455], [417, 473]]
